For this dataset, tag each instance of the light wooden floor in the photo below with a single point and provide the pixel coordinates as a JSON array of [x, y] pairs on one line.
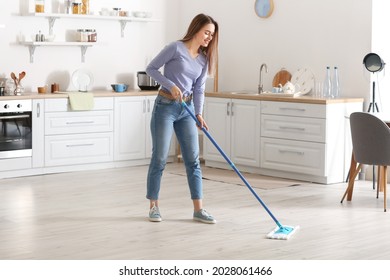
[[103, 215]]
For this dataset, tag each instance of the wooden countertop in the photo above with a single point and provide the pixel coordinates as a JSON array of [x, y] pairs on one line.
[[107, 93], [280, 98]]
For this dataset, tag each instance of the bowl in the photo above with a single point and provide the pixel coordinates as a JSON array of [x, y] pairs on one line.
[[119, 87], [139, 14]]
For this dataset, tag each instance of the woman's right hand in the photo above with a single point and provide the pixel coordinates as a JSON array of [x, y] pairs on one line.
[[176, 93]]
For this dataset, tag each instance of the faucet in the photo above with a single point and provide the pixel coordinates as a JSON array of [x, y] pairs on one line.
[[260, 87]]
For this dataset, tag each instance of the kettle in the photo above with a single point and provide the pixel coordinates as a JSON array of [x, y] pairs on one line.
[[145, 82]]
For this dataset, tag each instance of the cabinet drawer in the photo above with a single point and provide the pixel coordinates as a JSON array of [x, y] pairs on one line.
[[293, 109], [293, 156], [78, 122], [295, 128], [62, 104], [78, 149]]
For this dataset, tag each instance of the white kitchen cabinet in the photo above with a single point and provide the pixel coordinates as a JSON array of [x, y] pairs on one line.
[[38, 135], [305, 141], [235, 125], [132, 128], [78, 137]]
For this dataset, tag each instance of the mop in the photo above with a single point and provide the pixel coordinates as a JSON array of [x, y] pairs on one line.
[[280, 232]]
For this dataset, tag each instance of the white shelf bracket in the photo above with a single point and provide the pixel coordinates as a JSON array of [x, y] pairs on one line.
[[123, 26], [83, 52], [52, 20], [31, 50]]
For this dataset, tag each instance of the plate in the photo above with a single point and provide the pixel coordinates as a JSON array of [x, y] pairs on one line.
[[304, 78], [82, 79]]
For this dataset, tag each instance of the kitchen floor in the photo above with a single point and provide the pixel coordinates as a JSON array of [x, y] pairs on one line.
[[103, 215]]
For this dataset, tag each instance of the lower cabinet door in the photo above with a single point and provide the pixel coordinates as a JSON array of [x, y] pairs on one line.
[[78, 149], [293, 156]]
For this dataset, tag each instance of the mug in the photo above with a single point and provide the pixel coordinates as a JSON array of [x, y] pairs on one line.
[[55, 87], [41, 89], [120, 87]]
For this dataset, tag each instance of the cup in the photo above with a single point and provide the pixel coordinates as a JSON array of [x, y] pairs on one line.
[[119, 87], [55, 87], [41, 89], [319, 90]]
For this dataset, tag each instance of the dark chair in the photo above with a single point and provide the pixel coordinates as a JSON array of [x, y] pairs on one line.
[[371, 146]]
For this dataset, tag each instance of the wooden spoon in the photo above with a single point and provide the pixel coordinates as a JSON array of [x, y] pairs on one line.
[[13, 76], [21, 75]]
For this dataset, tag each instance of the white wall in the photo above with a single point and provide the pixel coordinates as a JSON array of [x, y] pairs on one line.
[[113, 59], [300, 33], [381, 46]]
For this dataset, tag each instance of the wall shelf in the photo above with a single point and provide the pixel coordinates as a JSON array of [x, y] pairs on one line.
[[83, 46], [52, 17]]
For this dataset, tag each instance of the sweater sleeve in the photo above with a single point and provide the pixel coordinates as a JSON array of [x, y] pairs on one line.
[[198, 91], [159, 61]]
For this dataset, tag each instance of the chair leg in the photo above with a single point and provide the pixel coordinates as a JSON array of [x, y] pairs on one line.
[[379, 180], [384, 175], [352, 177]]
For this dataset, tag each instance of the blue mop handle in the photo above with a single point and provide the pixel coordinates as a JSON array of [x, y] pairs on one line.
[[231, 164]]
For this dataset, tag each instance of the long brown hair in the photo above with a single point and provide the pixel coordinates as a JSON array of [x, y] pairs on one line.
[[211, 51]]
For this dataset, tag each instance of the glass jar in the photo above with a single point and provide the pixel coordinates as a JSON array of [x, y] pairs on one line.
[[39, 6], [76, 8], [115, 11], [82, 35], [92, 35], [85, 7], [68, 6]]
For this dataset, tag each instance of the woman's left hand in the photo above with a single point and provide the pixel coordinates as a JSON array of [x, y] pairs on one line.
[[202, 122]]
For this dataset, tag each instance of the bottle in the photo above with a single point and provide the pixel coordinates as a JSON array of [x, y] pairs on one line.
[[335, 83], [68, 6], [327, 87], [39, 6], [85, 7], [76, 8]]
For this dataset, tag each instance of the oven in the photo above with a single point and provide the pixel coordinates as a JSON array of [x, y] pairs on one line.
[[16, 128]]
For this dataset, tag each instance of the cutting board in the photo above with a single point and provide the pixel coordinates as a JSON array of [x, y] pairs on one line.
[[281, 77]]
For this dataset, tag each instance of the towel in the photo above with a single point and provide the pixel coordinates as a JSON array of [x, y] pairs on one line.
[[81, 101]]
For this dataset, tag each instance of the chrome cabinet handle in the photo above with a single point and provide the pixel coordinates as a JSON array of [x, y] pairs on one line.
[[293, 109], [292, 128], [38, 110], [292, 152], [227, 108], [79, 145], [231, 109], [83, 122]]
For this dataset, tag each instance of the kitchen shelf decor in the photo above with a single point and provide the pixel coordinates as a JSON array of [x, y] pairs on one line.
[[123, 20], [83, 46]]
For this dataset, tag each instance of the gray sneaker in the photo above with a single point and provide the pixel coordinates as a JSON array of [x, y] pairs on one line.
[[204, 217], [154, 214]]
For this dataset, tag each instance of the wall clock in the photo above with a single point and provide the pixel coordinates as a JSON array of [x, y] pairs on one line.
[[264, 8]]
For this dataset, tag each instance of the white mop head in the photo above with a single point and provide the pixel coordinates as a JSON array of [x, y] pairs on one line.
[[283, 233]]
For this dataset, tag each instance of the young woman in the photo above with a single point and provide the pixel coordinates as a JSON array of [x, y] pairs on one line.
[[186, 63]]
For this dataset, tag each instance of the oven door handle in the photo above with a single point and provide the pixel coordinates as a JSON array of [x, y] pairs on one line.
[[14, 117]]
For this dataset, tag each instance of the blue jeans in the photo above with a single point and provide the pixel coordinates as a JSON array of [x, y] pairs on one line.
[[168, 116]]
